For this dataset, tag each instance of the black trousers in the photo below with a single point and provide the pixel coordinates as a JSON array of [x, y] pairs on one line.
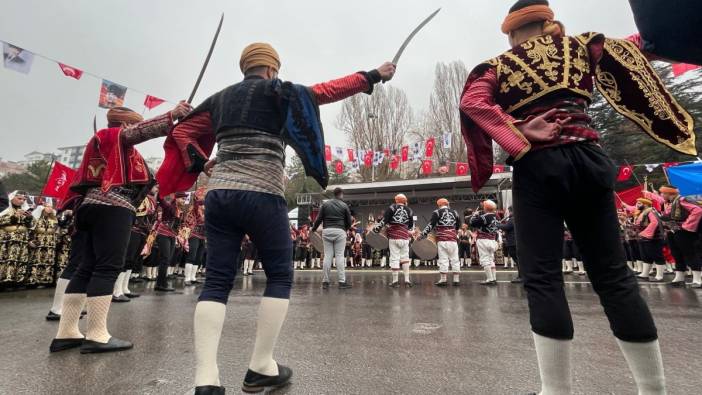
[[652, 251], [107, 231], [166, 247], [682, 247], [196, 251], [574, 183], [511, 251], [133, 261], [76, 255], [464, 251]]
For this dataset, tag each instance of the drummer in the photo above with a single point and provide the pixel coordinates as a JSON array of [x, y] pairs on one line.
[[400, 221], [336, 217], [445, 223]]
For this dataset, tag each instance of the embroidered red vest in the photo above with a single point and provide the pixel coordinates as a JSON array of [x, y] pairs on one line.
[[106, 163]]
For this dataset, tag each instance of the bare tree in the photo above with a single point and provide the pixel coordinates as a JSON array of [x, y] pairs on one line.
[[443, 115], [376, 122]]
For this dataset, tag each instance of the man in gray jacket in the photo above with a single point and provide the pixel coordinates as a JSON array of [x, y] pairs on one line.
[[335, 215]]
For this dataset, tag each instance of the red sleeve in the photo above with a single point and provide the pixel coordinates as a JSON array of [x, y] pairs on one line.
[[651, 228], [188, 132], [339, 89], [146, 130], [478, 103]]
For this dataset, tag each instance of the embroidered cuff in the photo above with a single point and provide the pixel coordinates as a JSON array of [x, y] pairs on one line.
[[373, 77], [525, 147]]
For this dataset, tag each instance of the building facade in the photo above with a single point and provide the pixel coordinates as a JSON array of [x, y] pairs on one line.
[[71, 156]]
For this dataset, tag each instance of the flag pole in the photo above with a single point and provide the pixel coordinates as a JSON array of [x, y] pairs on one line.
[[632, 171]]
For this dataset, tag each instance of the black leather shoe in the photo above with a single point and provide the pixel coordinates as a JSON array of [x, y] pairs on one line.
[[114, 344], [678, 284], [209, 390], [163, 288], [132, 295], [655, 280], [456, 284], [344, 285], [120, 299], [409, 284], [187, 283], [395, 284], [64, 344], [517, 280], [441, 283], [325, 285], [255, 382], [53, 316], [136, 280]]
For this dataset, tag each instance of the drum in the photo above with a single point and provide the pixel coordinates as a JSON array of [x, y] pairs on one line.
[[426, 249], [316, 240], [377, 240]]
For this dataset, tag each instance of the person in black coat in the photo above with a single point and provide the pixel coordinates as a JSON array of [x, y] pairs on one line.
[[507, 227]]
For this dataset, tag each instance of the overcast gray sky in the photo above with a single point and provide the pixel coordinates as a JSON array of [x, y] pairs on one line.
[[158, 46]]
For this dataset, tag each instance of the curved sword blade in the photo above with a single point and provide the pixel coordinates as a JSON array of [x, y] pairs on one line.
[[207, 60], [411, 36]]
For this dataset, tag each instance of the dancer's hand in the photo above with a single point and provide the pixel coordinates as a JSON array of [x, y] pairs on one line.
[[387, 71], [540, 130], [181, 109], [209, 166]]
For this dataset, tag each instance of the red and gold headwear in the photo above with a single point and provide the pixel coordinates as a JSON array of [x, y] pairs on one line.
[[259, 54], [524, 12], [644, 201], [669, 189], [117, 116]]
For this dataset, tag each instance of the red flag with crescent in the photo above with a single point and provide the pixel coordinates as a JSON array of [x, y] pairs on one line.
[[498, 169], [59, 181], [339, 167], [395, 162], [461, 169], [405, 153], [625, 173], [70, 71], [427, 167], [152, 101], [429, 147], [327, 153]]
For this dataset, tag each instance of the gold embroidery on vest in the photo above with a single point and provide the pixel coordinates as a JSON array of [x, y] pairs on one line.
[[543, 53], [95, 171]]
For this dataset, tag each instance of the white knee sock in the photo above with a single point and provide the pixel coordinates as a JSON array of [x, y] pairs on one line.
[[456, 277], [117, 289], [70, 314], [209, 320], [98, 308], [61, 285], [696, 277], [271, 315], [569, 266], [405, 271], [246, 267], [188, 271], [646, 270], [660, 271], [554, 365], [442, 277], [125, 282], [679, 276], [646, 365], [395, 276]]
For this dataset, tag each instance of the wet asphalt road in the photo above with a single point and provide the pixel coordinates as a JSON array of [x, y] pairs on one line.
[[367, 340]]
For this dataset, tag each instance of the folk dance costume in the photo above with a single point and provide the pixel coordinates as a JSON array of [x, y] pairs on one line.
[[252, 122], [195, 222], [335, 215], [445, 223], [649, 230], [248, 252], [63, 241], [681, 219], [134, 261], [302, 251], [486, 244], [15, 224], [112, 178], [43, 240], [464, 240], [166, 232], [532, 101], [399, 220], [510, 243], [357, 249]]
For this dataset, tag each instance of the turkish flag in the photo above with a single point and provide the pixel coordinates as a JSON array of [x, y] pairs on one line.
[[625, 173], [405, 153], [368, 159], [152, 101], [461, 169], [426, 167], [498, 169], [339, 167], [395, 162], [69, 71], [670, 164], [682, 68], [628, 196], [59, 181], [327, 153], [429, 147], [351, 154]]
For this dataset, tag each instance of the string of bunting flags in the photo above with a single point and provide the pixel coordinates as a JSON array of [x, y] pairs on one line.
[[111, 94]]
